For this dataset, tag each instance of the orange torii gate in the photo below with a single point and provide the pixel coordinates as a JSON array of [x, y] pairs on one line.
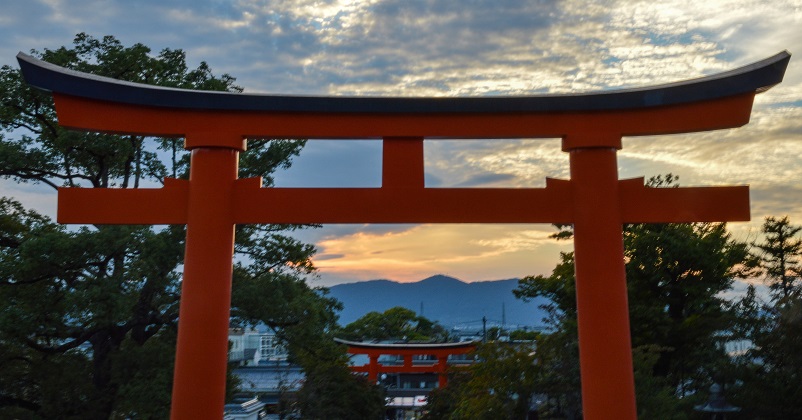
[[440, 351], [215, 126]]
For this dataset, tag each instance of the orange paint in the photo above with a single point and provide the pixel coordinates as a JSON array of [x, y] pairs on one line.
[[214, 200], [87, 114], [216, 127], [199, 383], [605, 348], [439, 352]]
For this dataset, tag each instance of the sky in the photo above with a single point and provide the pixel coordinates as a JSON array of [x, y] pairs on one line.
[[466, 48]]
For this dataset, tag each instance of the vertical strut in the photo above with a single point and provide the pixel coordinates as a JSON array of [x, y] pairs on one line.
[[199, 385], [605, 351], [402, 162]]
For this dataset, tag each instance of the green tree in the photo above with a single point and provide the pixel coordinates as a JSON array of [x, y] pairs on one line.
[[780, 257], [88, 324], [675, 276], [331, 391], [769, 370], [558, 347], [655, 396], [500, 385], [395, 323], [524, 335]]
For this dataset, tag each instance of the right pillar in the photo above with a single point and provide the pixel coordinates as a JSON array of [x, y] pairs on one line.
[[605, 350]]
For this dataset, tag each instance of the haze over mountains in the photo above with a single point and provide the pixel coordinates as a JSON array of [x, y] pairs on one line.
[[447, 300]]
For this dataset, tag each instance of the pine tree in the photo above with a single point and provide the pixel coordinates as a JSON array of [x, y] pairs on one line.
[[88, 321], [780, 257]]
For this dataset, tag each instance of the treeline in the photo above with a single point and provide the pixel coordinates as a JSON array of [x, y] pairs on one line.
[[89, 314], [686, 334]]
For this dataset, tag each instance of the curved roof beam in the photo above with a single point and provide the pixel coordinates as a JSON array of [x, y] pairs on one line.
[[753, 78], [407, 346]]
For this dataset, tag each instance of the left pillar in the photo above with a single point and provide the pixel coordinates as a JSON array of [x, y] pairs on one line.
[[199, 381]]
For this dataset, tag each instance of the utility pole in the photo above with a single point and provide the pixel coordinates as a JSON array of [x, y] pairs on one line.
[[503, 316]]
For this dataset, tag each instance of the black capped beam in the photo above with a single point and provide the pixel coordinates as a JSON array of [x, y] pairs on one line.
[[753, 78]]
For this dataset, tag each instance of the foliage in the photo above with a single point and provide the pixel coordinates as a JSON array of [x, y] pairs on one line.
[[394, 323], [675, 276], [655, 396], [769, 372], [780, 257], [499, 385], [331, 391], [87, 328], [558, 349], [524, 335]]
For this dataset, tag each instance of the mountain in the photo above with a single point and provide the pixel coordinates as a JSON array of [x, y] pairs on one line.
[[451, 302]]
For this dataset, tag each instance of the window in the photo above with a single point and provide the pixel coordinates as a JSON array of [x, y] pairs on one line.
[[271, 349]]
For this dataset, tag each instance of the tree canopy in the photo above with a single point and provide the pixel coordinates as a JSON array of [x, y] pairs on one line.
[[88, 325], [500, 385], [397, 323], [769, 328], [675, 276], [780, 254]]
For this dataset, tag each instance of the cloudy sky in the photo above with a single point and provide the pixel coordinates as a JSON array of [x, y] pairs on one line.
[[467, 48]]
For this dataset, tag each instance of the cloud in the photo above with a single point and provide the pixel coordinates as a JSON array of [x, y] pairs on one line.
[[325, 257], [512, 163], [486, 180], [471, 252], [480, 47]]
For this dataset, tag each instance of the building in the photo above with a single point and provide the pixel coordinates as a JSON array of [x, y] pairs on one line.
[[251, 409], [255, 347], [408, 371], [265, 376]]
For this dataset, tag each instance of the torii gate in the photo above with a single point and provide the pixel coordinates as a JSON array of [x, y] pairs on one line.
[[215, 126], [440, 352]]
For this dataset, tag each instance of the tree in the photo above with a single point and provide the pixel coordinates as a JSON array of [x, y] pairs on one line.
[[395, 323], [331, 391], [558, 348], [524, 335], [500, 385], [675, 276], [769, 369], [89, 321], [780, 257], [772, 369]]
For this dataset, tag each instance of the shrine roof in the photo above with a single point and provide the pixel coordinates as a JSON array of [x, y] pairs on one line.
[[406, 346], [752, 78]]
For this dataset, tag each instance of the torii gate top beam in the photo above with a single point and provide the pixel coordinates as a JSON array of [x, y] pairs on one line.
[[91, 102], [215, 119], [748, 79]]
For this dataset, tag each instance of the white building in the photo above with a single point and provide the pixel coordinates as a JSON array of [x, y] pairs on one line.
[[252, 347], [252, 409]]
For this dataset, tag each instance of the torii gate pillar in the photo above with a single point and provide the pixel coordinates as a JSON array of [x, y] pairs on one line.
[[605, 350], [595, 201], [202, 344]]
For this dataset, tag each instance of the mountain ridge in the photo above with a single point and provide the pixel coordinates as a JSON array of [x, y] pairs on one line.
[[445, 299]]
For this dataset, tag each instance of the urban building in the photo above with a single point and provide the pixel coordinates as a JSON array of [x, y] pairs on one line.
[[409, 372], [254, 347]]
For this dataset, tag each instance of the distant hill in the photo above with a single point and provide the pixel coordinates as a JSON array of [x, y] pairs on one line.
[[447, 300]]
